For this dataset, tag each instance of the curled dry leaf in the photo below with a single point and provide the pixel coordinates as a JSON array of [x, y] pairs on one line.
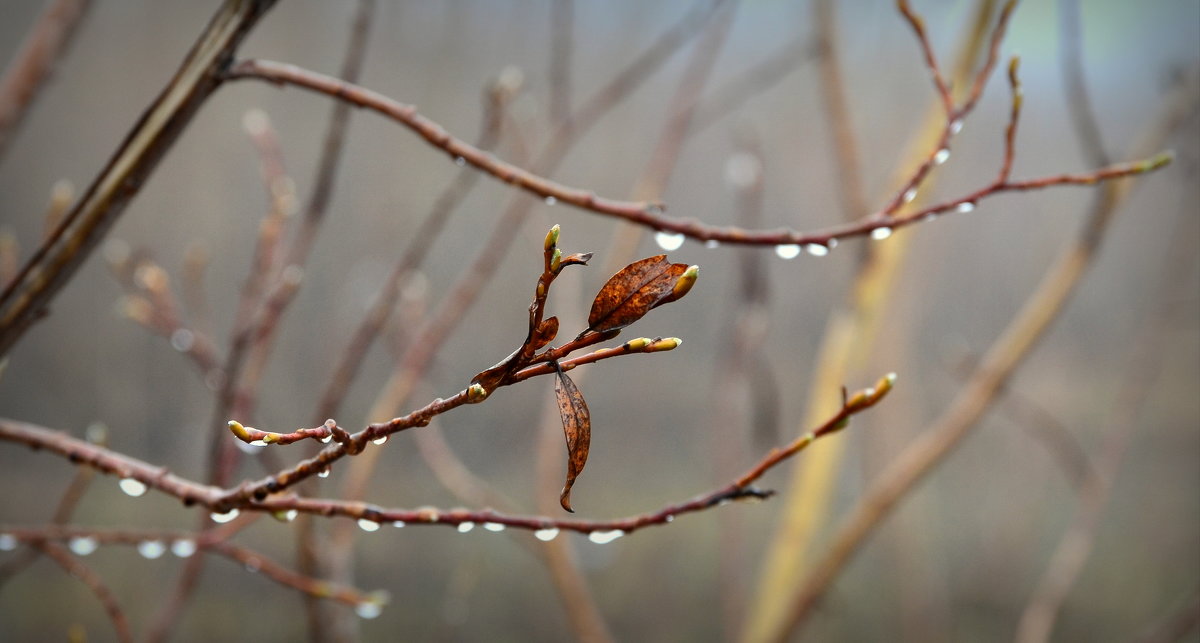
[[545, 334], [632, 292], [577, 427]]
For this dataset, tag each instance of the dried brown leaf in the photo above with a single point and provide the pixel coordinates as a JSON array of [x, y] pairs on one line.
[[545, 334], [633, 291], [577, 427]]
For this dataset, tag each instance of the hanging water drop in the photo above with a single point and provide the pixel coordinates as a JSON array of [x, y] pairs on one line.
[[398, 524], [285, 516], [909, 195], [965, 207], [551, 200], [253, 565], [956, 126], [132, 487], [151, 549], [816, 249], [82, 546], [368, 525], [460, 161], [225, 517], [464, 527], [257, 443], [712, 243], [8, 542], [668, 240], [605, 537], [942, 156], [183, 548], [787, 251], [326, 439], [368, 610], [323, 473], [493, 526], [547, 534], [880, 234], [182, 340], [380, 440], [929, 217]]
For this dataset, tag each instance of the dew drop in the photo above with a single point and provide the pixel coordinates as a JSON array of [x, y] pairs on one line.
[[8, 542], [323, 473], [956, 126], [605, 537], [669, 518], [654, 210], [151, 549], [493, 526], [285, 516], [368, 525], [182, 340], [787, 251], [460, 161], [368, 610], [380, 440], [464, 527], [253, 565], [398, 524], [132, 487], [326, 439], [880, 234], [668, 240], [816, 249], [942, 156], [551, 200], [964, 207], [82, 546], [910, 194], [225, 517], [547, 534], [712, 243], [183, 548], [832, 243], [257, 443], [929, 217]]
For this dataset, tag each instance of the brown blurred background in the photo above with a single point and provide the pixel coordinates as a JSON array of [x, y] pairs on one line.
[[960, 558]]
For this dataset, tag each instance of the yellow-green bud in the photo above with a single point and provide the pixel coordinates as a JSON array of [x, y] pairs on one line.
[[239, 430], [664, 344], [551, 238], [476, 394], [637, 344], [556, 260], [685, 282]]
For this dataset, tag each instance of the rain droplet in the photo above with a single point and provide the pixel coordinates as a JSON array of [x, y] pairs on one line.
[[910, 194], [929, 217], [547, 534], [182, 340], [787, 251], [551, 200], [460, 161], [965, 206], [380, 440], [712, 243], [368, 525], [464, 527], [880, 234], [942, 156], [83, 545], [398, 524], [132, 487], [8, 542], [323, 473], [326, 439], [605, 537], [832, 243], [285, 516], [493, 526], [257, 443], [816, 249], [183, 548], [956, 126], [225, 517], [151, 549], [368, 610], [654, 210], [253, 565], [669, 518], [668, 240]]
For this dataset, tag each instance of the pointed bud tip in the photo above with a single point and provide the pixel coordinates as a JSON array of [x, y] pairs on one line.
[[476, 393], [552, 237], [664, 344], [239, 430]]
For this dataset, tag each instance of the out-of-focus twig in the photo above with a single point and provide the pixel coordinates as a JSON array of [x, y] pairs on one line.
[[94, 582], [998, 364], [33, 62], [26, 297], [1174, 625]]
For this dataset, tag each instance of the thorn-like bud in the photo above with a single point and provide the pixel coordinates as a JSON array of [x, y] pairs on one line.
[[637, 344], [556, 261], [664, 344], [1157, 161], [577, 258], [476, 394], [239, 430], [551, 238], [271, 438], [685, 282]]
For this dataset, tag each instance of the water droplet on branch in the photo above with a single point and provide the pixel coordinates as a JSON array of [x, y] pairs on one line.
[[605, 537], [82, 546], [668, 240], [225, 517], [879, 234], [183, 548], [368, 525], [787, 251], [151, 549], [132, 487], [547, 534], [464, 527]]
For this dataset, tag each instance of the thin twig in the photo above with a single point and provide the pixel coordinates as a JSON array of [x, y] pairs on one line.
[[94, 582], [47, 41]]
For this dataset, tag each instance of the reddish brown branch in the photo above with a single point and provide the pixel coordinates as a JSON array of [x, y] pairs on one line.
[[92, 580]]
